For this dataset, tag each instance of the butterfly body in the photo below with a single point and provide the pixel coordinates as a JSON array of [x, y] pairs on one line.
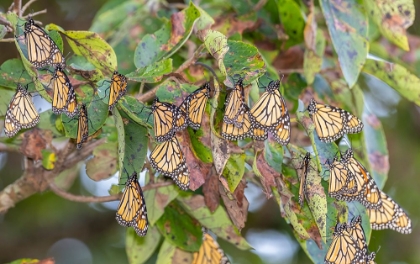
[[64, 96], [118, 88], [168, 119], [194, 106]]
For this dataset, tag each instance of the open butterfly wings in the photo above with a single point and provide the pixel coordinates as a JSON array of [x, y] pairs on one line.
[[349, 245], [389, 216], [270, 114], [350, 181], [168, 159], [132, 208], [117, 89], [367, 193], [343, 248], [42, 50], [82, 127], [209, 252], [168, 119], [195, 104], [341, 180], [331, 123], [64, 97], [21, 112]]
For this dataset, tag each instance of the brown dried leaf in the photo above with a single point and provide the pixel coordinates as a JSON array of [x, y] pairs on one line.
[[268, 174], [292, 58], [309, 33], [34, 141], [198, 169], [220, 150], [211, 191], [236, 204], [104, 163]]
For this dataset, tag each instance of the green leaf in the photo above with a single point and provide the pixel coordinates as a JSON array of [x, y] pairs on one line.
[[179, 228], [135, 110], [217, 46], [273, 153], [94, 48], [347, 24], [135, 150], [104, 162], [218, 221], [106, 20], [13, 72], [3, 31], [152, 73], [392, 18], [396, 76], [205, 21], [312, 61], [157, 199], [56, 37], [234, 170], [82, 66], [292, 21], [167, 40], [48, 159], [5, 98], [140, 249], [243, 59], [119, 124], [170, 254]]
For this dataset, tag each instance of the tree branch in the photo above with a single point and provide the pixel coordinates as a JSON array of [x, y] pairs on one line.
[[27, 5], [35, 178], [99, 199]]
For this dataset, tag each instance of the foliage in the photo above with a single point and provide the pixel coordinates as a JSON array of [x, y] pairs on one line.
[[156, 48]]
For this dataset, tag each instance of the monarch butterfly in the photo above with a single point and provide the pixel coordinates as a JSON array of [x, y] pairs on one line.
[[168, 119], [355, 229], [232, 132], [302, 186], [64, 97], [194, 105], [132, 208], [168, 159], [82, 127], [270, 113], [344, 248], [367, 193], [21, 112], [389, 216], [341, 180], [235, 107], [117, 88], [332, 122], [42, 50], [209, 252]]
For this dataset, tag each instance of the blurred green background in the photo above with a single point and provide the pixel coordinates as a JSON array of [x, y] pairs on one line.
[[46, 225]]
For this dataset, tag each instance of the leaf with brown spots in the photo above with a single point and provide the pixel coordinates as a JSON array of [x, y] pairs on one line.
[[140, 249], [34, 141], [178, 227], [167, 40], [91, 46], [157, 199], [347, 25], [169, 253], [104, 162], [218, 221], [236, 204], [393, 18], [266, 173], [211, 191]]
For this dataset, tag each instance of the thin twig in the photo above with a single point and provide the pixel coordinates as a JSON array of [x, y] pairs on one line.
[[11, 6], [8, 148], [197, 54], [99, 199], [5, 22], [147, 96], [7, 40], [36, 13], [27, 5], [259, 5], [141, 87]]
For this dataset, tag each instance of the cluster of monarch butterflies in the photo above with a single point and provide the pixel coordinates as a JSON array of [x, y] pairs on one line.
[[349, 245], [43, 52], [349, 180]]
